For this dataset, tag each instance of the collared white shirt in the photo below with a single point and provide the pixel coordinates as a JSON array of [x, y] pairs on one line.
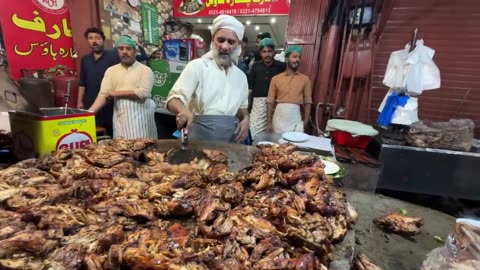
[[206, 89]]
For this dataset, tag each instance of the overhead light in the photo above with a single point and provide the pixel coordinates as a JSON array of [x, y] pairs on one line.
[[257, 27], [248, 22], [273, 20], [199, 20]]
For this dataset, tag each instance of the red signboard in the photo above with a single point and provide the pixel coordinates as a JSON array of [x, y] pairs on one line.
[[209, 8], [37, 34]]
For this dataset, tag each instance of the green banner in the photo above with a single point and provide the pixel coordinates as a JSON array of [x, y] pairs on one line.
[[151, 29], [165, 75]]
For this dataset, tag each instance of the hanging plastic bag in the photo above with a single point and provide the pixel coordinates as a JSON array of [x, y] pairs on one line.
[[396, 69], [422, 73], [461, 251], [407, 114]]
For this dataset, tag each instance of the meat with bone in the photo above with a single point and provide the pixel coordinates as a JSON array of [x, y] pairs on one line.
[[103, 207], [398, 223]]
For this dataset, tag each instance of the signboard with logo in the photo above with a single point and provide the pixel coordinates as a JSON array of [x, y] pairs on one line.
[[165, 75], [213, 8], [151, 29], [37, 34]]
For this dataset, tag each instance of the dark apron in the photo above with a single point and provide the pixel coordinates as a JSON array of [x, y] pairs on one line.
[[214, 128]]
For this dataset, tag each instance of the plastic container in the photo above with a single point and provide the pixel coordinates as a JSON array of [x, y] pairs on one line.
[[344, 138], [36, 135]]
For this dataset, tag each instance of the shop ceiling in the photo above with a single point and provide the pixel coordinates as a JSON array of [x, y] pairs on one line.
[[275, 25]]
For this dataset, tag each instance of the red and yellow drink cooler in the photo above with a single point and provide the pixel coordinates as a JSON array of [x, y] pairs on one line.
[[51, 129]]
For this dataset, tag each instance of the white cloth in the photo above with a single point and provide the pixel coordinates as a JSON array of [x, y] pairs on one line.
[[230, 23], [132, 118], [258, 116], [206, 89], [286, 118], [407, 114]]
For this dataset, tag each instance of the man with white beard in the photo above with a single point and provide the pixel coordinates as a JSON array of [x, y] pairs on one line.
[[210, 98]]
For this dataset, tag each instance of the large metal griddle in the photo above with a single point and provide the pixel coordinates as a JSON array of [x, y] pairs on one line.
[[389, 250]]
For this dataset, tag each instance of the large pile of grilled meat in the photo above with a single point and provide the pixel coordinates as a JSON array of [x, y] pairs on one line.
[[122, 206]]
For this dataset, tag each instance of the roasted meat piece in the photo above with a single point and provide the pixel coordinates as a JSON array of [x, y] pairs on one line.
[[66, 257], [22, 262], [32, 242], [102, 156], [61, 216], [216, 156], [142, 143], [29, 177], [362, 262], [398, 223], [304, 262]]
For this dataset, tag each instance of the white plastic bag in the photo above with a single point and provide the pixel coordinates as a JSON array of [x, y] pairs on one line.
[[422, 73], [396, 69], [462, 249], [407, 114]]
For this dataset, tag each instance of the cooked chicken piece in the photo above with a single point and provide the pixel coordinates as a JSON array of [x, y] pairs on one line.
[[339, 226], [95, 262], [231, 193], [33, 242], [234, 250], [267, 246], [216, 156], [352, 214], [121, 145], [22, 262], [219, 174], [61, 216], [226, 264], [132, 208], [66, 257], [102, 156], [209, 208], [18, 177], [30, 197], [6, 191], [362, 262], [203, 250], [142, 143], [305, 262], [96, 238], [154, 157], [10, 226], [305, 174], [398, 223]]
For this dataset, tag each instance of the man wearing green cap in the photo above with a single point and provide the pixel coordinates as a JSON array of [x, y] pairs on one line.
[[258, 82], [130, 85], [288, 91]]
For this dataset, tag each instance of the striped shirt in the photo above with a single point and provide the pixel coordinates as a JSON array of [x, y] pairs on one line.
[[132, 118]]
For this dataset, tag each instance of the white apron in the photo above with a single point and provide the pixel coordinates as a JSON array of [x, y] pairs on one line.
[[258, 116], [134, 119], [287, 118]]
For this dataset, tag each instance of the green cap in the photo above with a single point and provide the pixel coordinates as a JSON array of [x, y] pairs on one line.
[[293, 48], [124, 40], [266, 42]]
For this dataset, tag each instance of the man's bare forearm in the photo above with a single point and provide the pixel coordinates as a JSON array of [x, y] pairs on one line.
[[242, 114], [307, 110], [81, 93], [176, 106], [98, 104], [124, 94], [269, 113]]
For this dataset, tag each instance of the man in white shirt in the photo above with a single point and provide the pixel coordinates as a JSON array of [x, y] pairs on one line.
[[130, 85], [210, 97]]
